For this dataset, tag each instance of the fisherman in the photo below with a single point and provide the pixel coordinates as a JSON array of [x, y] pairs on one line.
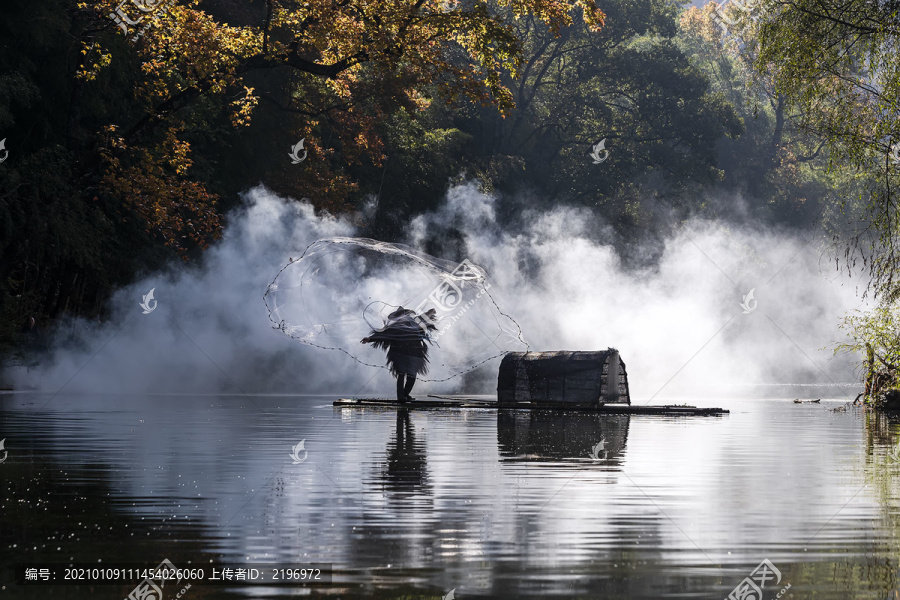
[[404, 336]]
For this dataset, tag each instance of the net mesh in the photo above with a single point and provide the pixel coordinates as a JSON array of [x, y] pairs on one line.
[[343, 289]]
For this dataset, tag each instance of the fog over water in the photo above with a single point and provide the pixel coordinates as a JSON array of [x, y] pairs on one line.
[[679, 324], [500, 504]]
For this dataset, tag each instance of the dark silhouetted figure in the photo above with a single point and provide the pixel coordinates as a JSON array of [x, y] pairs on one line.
[[405, 336]]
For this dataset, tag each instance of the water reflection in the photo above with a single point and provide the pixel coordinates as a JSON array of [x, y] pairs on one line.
[[406, 472], [527, 435], [501, 505]]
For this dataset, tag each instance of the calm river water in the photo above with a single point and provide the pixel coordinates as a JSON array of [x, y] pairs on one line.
[[419, 503]]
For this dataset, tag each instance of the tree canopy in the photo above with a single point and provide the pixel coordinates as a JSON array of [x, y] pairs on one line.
[[837, 63], [132, 127]]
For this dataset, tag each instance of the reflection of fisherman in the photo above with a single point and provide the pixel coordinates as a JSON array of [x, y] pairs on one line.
[[404, 336], [406, 465]]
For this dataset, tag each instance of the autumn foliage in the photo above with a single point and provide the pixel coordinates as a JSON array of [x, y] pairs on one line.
[[350, 63]]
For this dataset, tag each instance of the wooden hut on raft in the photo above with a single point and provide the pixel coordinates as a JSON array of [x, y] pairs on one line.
[[593, 381], [563, 379]]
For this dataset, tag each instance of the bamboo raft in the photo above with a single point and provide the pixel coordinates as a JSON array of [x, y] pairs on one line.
[[592, 382], [439, 402]]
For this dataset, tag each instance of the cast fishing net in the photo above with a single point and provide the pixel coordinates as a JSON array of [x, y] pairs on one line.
[[341, 290]]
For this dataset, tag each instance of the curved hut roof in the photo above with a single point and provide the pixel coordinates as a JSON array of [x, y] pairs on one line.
[[569, 377]]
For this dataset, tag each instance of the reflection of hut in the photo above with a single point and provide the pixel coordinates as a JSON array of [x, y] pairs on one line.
[[554, 434], [562, 379]]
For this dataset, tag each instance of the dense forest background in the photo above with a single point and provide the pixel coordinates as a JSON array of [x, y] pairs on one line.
[[128, 142]]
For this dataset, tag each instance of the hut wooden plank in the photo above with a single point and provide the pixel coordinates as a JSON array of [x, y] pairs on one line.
[[451, 402]]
